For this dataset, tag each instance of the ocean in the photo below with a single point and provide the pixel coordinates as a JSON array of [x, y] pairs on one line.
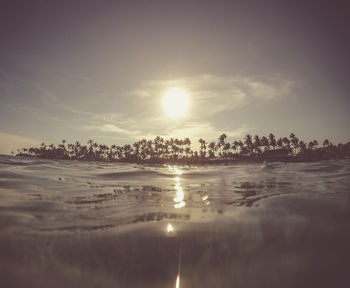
[[90, 224]]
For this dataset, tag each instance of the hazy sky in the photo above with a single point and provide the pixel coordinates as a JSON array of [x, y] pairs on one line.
[[80, 70]]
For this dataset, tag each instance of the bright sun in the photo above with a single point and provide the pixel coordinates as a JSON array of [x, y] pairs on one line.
[[175, 102]]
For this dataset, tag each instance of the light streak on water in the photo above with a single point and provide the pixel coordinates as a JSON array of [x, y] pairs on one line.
[[180, 195], [177, 285], [177, 171], [180, 205], [177, 281], [170, 228]]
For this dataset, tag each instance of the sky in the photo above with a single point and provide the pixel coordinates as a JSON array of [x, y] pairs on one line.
[[80, 70]]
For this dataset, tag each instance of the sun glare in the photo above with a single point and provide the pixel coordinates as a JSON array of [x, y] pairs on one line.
[[175, 102]]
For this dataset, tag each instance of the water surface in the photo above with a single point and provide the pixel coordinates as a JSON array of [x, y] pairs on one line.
[[79, 224]]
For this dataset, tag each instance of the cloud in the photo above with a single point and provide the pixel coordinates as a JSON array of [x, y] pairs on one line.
[[29, 83], [12, 142], [111, 128], [204, 130], [142, 116], [139, 93], [211, 94], [271, 88]]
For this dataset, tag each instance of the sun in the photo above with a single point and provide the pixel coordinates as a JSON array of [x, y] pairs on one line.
[[175, 102]]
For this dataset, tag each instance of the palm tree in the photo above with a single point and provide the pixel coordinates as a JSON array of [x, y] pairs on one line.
[[127, 151], [203, 147], [227, 147], [241, 147], [272, 141], [279, 143], [187, 142], [181, 148], [265, 143], [112, 155], [221, 142], [234, 147], [119, 152], [149, 149], [212, 149], [136, 146], [302, 146], [249, 143], [311, 145], [188, 151], [295, 142], [175, 148], [178, 147], [257, 144], [286, 142]]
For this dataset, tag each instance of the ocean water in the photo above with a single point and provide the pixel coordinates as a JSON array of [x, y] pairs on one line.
[[79, 224]]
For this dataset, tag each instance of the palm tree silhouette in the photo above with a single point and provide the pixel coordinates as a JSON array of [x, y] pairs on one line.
[[249, 144], [177, 150], [272, 141], [286, 143], [257, 144], [221, 142], [203, 147], [295, 142], [212, 149], [227, 147], [265, 143], [279, 143]]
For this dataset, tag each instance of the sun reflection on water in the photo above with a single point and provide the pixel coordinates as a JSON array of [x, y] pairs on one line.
[[170, 228], [180, 195], [177, 285], [175, 170], [179, 203]]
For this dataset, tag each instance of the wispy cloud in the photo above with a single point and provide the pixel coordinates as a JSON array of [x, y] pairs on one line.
[[212, 94], [33, 84], [270, 88], [143, 116], [196, 130], [111, 128]]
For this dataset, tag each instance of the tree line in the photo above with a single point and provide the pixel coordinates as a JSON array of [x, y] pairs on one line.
[[160, 150]]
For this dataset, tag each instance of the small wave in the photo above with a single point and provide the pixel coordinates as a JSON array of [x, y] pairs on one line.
[[131, 175], [122, 193]]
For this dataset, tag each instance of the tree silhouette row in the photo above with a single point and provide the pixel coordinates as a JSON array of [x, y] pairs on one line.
[[160, 150]]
